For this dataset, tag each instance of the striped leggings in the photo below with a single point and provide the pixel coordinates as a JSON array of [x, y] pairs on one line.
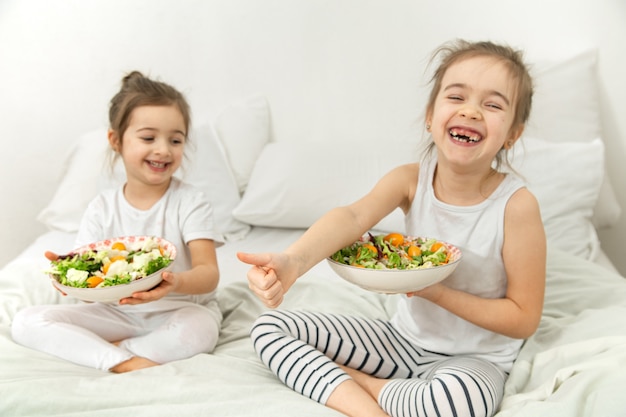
[[304, 349]]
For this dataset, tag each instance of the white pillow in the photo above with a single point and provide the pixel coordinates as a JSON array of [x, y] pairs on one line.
[[566, 178], [79, 184], [566, 108], [292, 185], [243, 129], [209, 170], [566, 101], [607, 211], [86, 175]]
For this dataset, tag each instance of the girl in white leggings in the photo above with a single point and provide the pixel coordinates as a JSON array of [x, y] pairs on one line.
[[149, 126], [447, 349]]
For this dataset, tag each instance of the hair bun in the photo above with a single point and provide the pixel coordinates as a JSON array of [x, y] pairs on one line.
[[131, 78]]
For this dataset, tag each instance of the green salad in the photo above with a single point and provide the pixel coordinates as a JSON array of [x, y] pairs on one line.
[[110, 265], [393, 251]]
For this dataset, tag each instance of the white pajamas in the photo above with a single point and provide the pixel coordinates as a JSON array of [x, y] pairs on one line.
[[175, 327], [84, 333]]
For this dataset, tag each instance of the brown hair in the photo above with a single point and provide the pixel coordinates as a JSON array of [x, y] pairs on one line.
[[138, 90], [458, 50]]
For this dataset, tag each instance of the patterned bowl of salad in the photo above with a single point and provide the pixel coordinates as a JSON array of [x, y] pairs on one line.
[[394, 263], [112, 269]]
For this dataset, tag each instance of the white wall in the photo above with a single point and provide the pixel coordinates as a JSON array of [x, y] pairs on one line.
[[316, 61]]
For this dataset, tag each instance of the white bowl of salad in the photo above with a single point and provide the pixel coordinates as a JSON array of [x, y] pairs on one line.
[[112, 269], [394, 263]]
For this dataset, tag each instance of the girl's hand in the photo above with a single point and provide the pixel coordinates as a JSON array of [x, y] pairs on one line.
[[56, 288], [169, 283], [431, 293], [270, 277], [51, 256]]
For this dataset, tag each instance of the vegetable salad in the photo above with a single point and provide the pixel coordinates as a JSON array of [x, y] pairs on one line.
[[393, 251], [110, 265]]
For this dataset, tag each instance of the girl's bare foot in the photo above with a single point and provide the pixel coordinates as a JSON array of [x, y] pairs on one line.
[[133, 364]]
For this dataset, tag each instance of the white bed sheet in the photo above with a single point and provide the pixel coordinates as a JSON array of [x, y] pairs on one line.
[[572, 366]]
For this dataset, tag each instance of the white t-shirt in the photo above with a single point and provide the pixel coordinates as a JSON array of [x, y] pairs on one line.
[[183, 214], [478, 231]]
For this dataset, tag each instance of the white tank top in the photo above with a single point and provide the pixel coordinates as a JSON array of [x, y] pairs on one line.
[[478, 231]]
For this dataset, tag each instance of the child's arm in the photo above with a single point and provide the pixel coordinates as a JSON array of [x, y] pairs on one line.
[[517, 314], [273, 274], [203, 276]]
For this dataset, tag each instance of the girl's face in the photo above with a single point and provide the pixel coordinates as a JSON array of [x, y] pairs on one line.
[[152, 145], [473, 113]]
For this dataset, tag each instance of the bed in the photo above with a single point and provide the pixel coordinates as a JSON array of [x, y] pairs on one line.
[[268, 192]]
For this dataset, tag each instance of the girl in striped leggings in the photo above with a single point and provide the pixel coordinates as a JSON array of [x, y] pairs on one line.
[[448, 348]]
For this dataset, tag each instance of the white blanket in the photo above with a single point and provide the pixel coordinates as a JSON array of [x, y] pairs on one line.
[[572, 366]]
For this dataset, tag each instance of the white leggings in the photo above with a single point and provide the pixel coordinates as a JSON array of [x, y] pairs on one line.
[[304, 349], [82, 333]]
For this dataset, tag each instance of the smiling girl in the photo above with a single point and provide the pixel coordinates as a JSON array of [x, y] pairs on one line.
[[149, 127], [448, 348]]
